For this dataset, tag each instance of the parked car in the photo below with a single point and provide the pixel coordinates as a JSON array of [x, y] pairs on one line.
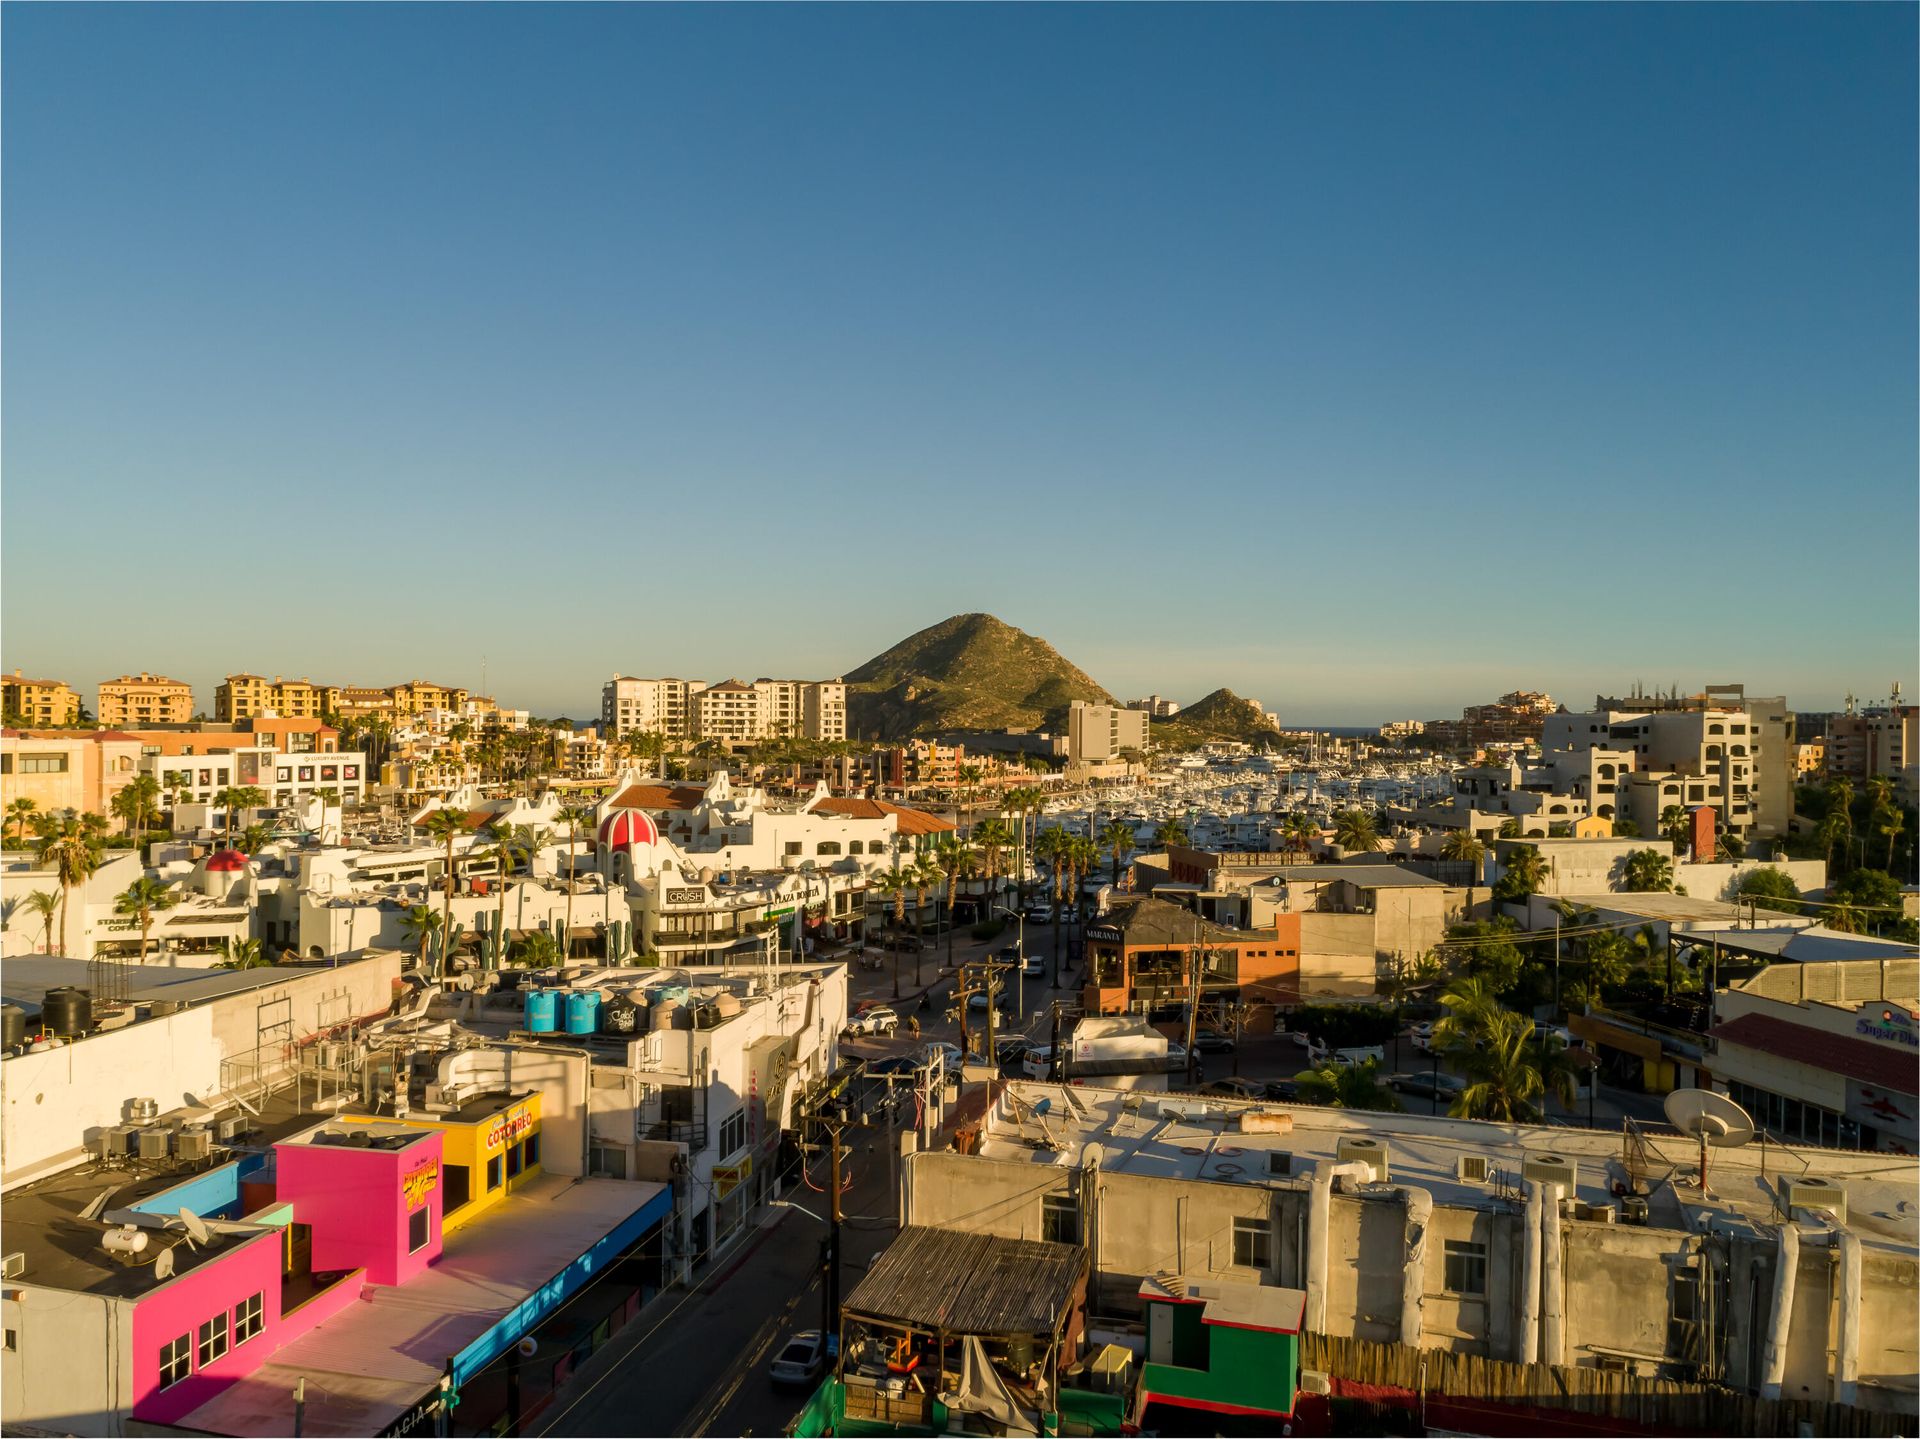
[[878, 1020], [1011, 1051], [1315, 1051], [949, 1054], [1039, 914], [1236, 1087], [1355, 1057], [1426, 1084], [801, 1360], [1552, 1034], [894, 1064], [1212, 1041], [1037, 1062], [1283, 1089], [977, 1001], [1035, 967], [1422, 1036]]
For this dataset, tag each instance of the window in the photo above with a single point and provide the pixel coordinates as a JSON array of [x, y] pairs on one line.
[[1466, 1267], [1060, 1219], [733, 1132], [43, 764], [827, 846], [176, 1360], [793, 846], [853, 847], [496, 1175], [533, 1149], [13, 1341], [247, 1318], [213, 1339], [418, 1224], [1252, 1243], [604, 1162], [516, 1161]]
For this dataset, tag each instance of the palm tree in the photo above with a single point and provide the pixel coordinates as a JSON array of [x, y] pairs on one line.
[[244, 954], [1845, 917], [328, 798], [1525, 870], [1509, 1071], [538, 950], [253, 837], [1117, 840], [1355, 831], [1050, 846], [1889, 822], [970, 777], [136, 802], [1833, 831], [1022, 802], [993, 838], [44, 902], [952, 856], [442, 826], [1355, 1086], [1463, 846], [21, 814], [231, 800], [140, 901], [894, 884], [923, 874], [1675, 825], [1083, 857], [1648, 872], [1467, 1002], [1169, 834], [1297, 835], [575, 816], [423, 924], [504, 849], [70, 845]]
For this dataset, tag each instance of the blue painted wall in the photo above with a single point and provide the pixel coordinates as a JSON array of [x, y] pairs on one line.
[[212, 1194]]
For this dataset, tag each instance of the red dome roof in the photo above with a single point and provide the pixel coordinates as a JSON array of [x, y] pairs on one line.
[[226, 859], [627, 827]]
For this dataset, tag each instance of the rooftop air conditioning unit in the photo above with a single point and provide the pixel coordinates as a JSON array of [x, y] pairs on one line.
[[1551, 1169], [12, 1266], [194, 1143], [1809, 1192], [100, 1144], [232, 1127], [1594, 1213], [1473, 1169], [1633, 1209], [1363, 1149], [154, 1143]]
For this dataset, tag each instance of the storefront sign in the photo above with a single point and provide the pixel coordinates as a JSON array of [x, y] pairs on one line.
[[728, 1177], [686, 896], [415, 1418], [419, 1183], [1888, 1023], [508, 1128]]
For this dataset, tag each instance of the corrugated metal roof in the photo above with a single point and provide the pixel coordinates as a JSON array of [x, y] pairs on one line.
[[970, 1283]]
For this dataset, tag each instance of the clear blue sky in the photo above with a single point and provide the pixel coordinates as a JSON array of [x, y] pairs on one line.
[[1369, 360]]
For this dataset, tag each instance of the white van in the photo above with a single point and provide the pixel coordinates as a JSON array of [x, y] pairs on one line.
[[1354, 1058]]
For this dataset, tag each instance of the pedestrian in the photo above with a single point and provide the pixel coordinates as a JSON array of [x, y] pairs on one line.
[[913, 1025]]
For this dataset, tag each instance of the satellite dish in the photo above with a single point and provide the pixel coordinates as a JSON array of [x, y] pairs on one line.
[[197, 1231], [163, 1264], [1711, 1118]]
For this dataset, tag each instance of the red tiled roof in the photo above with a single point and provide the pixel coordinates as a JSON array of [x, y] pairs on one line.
[[93, 734], [908, 821], [658, 796], [1875, 1064]]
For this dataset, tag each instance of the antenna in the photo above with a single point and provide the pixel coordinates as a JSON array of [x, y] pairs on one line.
[[1711, 1118], [197, 1230]]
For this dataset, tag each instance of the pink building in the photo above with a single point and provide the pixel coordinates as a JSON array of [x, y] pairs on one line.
[[370, 1193]]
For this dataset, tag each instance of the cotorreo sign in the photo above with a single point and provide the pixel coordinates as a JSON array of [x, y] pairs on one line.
[[507, 1129]]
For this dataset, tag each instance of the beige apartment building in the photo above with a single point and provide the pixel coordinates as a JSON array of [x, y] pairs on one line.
[[143, 699], [74, 770], [1878, 743], [733, 711], [1100, 732], [39, 702], [244, 696]]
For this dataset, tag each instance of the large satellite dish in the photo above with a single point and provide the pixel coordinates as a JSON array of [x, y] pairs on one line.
[[1711, 1118]]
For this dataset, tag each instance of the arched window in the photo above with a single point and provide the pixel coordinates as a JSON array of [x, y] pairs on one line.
[[1716, 729], [827, 846]]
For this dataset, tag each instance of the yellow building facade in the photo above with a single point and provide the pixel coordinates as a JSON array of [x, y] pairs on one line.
[[143, 699], [489, 1148], [40, 704]]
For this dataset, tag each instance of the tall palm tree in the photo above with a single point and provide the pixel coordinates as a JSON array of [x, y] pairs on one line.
[[992, 838], [233, 799], [894, 884], [423, 925], [1354, 830], [970, 777], [328, 798], [923, 874], [69, 844], [137, 801], [21, 814], [1648, 872], [1083, 857], [1297, 835], [252, 838], [1117, 840], [1509, 1071], [1357, 1086], [1467, 1002], [1526, 871], [1050, 847], [575, 816], [442, 827], [1021, 802], [1675, 825], [1463, 846], [44, 903], [1170, 834], [140, 901], [951, 854], [1889, 822]]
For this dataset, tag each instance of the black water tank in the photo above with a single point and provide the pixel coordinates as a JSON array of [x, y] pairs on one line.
[[13, 1026], [619, 1015], [67, 1012]]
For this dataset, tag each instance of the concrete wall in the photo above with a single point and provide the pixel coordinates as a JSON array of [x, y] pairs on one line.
[[70, 1370], [1337, 951], [1722, 881]]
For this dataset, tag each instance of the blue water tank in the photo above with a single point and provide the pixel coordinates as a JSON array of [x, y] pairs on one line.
[[583, 1011], [541, 1011]]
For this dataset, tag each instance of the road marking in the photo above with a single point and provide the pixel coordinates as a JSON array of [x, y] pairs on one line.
[[758, 1348]]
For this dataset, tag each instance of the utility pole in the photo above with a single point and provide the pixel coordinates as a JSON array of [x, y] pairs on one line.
[[1193, 1004], [833, 1240]]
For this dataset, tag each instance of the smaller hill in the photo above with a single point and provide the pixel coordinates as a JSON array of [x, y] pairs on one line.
[[1222, 715], [967, 672]]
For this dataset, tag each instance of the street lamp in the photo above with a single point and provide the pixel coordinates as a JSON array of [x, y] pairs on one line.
[[1020, 943]]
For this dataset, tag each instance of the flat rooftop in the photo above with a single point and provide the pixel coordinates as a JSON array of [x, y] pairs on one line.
[[1671, 908], [43, 1222], [1200, 1137], [26, 978], [369, 1364]]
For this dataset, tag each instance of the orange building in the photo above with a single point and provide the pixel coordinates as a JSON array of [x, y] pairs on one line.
[[288, 736], [143, 699], [1141, 957]]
